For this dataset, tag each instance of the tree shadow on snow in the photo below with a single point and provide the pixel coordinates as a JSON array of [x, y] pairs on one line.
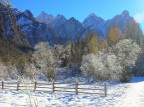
[[137, 79]]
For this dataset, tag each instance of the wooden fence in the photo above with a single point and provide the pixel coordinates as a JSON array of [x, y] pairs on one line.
[[56, 87]]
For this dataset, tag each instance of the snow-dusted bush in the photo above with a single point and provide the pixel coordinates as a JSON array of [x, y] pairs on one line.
[[31, 71], [113, 64], [44, 60], [8, 72], [127, 53], [102, 66]]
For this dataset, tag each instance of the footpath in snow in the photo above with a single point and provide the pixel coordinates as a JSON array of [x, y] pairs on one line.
[[134, 95], [119, 95]]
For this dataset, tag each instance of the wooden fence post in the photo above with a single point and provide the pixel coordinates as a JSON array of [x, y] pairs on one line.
[[105, 89], [76, 88], [2, 85], [53, 87], [17, 85], [35, 83]]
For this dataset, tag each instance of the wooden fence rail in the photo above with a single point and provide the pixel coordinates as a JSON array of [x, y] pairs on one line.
[[52, 87]]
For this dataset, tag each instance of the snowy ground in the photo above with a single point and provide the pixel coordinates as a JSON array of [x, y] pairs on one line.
[[119, 95]]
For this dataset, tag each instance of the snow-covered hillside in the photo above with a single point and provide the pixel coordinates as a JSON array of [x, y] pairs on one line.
[[119, 95]]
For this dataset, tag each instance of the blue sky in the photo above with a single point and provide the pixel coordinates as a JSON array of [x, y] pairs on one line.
[[80, 9]]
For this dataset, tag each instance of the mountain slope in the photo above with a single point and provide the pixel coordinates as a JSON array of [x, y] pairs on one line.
[[14, 46], [9, 28], [34, 30]]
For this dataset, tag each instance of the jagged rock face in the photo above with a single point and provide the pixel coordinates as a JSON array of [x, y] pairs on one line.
[[45, 18], [59, 29], [58, 21], [92, 20], [121, 21], [34, 30], [93, 24], [70, 29], [97, 25], [9, 28], [67, 29]]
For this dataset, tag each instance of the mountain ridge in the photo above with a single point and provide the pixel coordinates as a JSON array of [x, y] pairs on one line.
[[100, 26], [58, 29]]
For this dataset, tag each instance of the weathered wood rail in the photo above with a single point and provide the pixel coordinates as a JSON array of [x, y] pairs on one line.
[[55, 87]]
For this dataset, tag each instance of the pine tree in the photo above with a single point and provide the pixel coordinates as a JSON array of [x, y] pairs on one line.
[[93, 44], [134, 32], [77, 50], [114, 35]]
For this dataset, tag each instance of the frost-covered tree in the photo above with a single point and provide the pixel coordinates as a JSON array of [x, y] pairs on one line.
[[127, 53], [31, 71], [8, 72], [63, 54], [102, 66], [113, 64], [44, 59]]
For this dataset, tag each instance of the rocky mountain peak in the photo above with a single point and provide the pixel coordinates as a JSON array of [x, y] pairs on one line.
[[45, 18], [92, 19], [6, 3], [28, 13], [125, 13], [72, 19], [123, 16], [92, 15], [60, 17], [59, 20], [121, 21]]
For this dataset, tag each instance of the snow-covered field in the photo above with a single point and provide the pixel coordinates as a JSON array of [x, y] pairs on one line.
[[119, 95]]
